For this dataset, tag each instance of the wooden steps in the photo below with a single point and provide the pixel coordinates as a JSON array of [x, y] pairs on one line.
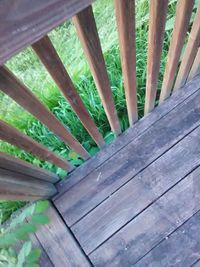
[[136, 203]]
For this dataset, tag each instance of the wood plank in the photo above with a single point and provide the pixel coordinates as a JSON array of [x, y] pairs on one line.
[[195, 70], [129, 135], [183, 14], [11, 86], [125, 18], [87, 31], [196, 264], [158, 13], [182, 248], [13, 164], [49, 57], [190, 52], [137, 194], [151, 226], [44, 260], [123, 166], [58, 242], [15, 186], [13, 136], [24, 22]]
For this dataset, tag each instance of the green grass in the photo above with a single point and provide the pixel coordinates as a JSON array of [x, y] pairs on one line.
[[29, 69]]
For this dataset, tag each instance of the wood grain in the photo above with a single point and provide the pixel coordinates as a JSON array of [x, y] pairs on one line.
[[10, 85], [15, 186], [24, 22], [86, 28], [58, 242], [153, 224], [183, 14], [120, 208], [123, 166], [128, 136], [190, 52], [158, 13], [19, 166], [125, 18], [181, 248], [16, 138], [195, 70], [49, 57]]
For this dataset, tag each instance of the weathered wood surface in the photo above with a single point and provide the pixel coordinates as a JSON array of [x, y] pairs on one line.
[[183, 14], [195, 70], [158, 13], [180, 249], [49, 57], [196, 264], [190, 52], [13, 164], [125, 17], [152, 225], [139, 193], [87, 31], [59, 243], [16, 138], [124, 165], [10, 85], [16, 186], [23, 23], [44, 259], [129, 135]]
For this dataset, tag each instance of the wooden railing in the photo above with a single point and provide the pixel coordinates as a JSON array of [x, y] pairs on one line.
[[24, 23]]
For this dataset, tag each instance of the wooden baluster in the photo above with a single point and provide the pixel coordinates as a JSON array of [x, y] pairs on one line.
[[125, 17], [183, 14], [49, 57], [86, 28], [16, 138], [13, 164], [15, 186], [158, 13], [190, 52], [10, 85], [195, 67]]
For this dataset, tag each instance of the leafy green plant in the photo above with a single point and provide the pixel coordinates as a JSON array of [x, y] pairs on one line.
[[18, 230]]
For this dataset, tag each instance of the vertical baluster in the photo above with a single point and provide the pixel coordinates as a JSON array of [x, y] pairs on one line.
[[10, 85], [158, 12], [190, 52], [16, 138], [183, 14], [195, 67], [125, 17], [86, 28], [49, 57]]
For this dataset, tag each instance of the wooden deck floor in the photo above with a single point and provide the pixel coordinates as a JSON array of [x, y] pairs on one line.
[[137, 203]]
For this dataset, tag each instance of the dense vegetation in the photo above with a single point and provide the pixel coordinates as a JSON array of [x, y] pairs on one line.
[[29, 69]]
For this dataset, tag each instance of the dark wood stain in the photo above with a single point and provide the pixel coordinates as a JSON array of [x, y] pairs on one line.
[[87, 31], [124, 165]]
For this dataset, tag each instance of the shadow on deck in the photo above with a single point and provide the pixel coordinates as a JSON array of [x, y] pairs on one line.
[[136, 203]]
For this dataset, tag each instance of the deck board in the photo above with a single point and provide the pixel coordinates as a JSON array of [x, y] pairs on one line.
[[58, 242], [180, 249], [138, 194], [151, 226], [129, 161], [128, 136], [132, 207]]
